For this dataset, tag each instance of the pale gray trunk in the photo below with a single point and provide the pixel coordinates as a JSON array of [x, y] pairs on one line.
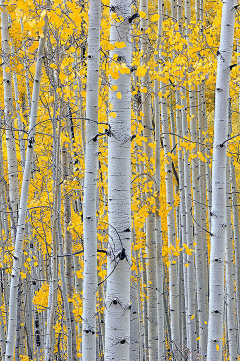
[[134, 319], [236, 236], [230, 279], [218, 212], [117, 303], [90, 186], [19, 121], [173, 262], [158, 234], [69, 266], [12, 317], [64, 283], [53, 289], [150, 221], [9, 122], [198, 231]]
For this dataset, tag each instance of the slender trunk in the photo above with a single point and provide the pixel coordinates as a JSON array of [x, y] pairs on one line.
[[9, 122], [173, 262], [230, 277], [150, 221], [117, 336], [64, 283], [53, 289], [198, 232], [12, 317], [90, 185], [218, 212], [69, 266]]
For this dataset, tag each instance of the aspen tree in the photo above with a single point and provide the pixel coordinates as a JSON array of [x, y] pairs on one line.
[[198, 238], [53, 289], [134, 319], [160, 269], [204, 171], [218, 211], [117, 302], [173, 286], [19, 121], [230, 278], [64, 285], [187, 200], [236, 238], [90, 186], [150, 221], [69, 266], [9, 121], [12, 317]]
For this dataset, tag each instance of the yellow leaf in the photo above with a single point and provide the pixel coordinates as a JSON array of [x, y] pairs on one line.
[[217, 347], [35, 264], [72, 49], [115, 75], [120, 44], [112, 114], [119, 95], [192, 317], [186, 265], [53, 66], [198, 338], [178, 106], [141, 71], [114, 87], [151, 145], [7, 69], [142, 14], [44, 12], [155, 17], [205, 322]]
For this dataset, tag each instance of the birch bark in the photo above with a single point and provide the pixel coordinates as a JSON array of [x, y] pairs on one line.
[[173, 285], [230, 278], [150, 221], [90, 186], [9, 121], [159, 261], [12, 317], [117, 333], [218, 212]]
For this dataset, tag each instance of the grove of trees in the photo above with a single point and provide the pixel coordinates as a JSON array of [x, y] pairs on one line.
[[119, 178]]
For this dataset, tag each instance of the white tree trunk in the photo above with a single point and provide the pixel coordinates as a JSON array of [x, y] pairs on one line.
[[9, 122], [117, 336], [218, 212], [12, 317], [173, 285], [69, 265], [191, 325], [150, 221], [90, 186], [230, 278], [236, 234], [199, 263], [64, 283]]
